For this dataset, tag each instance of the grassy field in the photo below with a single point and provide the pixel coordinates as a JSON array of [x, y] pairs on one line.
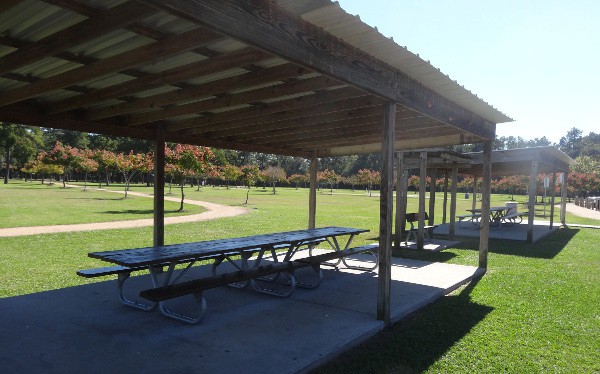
[[36, 204], [536, 310]]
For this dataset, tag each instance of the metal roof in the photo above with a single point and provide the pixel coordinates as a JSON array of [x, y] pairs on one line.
[[519, 161], [126, 67]]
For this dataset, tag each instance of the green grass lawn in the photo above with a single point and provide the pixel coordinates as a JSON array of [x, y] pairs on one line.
[[536, 310], [35, 204]]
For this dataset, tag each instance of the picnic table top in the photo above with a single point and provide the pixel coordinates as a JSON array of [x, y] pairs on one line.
[[492, 209], [196, 250]]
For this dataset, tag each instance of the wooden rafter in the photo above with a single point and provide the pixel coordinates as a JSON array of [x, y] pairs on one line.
[[287, 88], [344, 109], [321, 97], [142, 55], [110, 20], [249, 79], [263, 24]]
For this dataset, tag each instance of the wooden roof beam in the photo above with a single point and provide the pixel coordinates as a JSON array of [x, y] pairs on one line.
[[316, 122], [168, 77], [321, 97], [253, 78], [246, 97], [400, 144], [264, 24], [107, 21], [340, 108], [143, 55]]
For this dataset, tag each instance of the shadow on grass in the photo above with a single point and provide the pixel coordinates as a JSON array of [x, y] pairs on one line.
[[417, 342], [546, 248]]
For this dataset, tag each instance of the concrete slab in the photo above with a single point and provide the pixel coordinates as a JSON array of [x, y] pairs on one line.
[[85, 328], [514, 232]]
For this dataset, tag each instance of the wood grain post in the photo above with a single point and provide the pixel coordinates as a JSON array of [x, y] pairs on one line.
[[453, 197], [474, 203], [422, 187], [445, 204], [312, 196], [485, 204], [386, 199], [432, 188], [401, 188], [563, 199], [531, 203], [553, 187], [159, 182]]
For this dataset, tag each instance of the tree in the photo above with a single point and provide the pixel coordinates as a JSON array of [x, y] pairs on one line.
[[185, 161], [328, 176], [296, 179], [128, 165], [84, 163], [250, 175], [586, 165], [18, 142], [274, 175], [106, 162], [571, 143], [368, 177], [62, 155], [230, 173]]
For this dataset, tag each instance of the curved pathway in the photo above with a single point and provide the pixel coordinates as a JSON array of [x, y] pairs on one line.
[[583, 212], [213, 211]]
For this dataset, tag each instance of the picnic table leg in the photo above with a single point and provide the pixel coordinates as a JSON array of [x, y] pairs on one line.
[[285, 278], [198, 296], [122, 277]]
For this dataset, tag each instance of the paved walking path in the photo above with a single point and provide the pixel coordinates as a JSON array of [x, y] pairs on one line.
[[213, 211], [583, 212]]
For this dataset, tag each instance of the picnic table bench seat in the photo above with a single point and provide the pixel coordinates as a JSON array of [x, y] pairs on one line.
[[512, 217], [197, 286], [411, 218], [470, 217]]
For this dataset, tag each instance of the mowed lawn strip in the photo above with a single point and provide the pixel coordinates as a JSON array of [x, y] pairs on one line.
[[536, 310], [33, 204]]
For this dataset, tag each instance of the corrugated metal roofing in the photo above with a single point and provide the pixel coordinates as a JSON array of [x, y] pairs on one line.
[[331, 17], [216, 84]]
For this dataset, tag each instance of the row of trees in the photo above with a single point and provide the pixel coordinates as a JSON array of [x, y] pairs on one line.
[[21, 147]]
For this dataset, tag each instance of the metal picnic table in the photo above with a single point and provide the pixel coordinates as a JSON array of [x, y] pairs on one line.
[[237, 251]]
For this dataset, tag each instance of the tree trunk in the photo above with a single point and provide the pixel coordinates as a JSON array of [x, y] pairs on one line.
[[274, 187], [247, 193], [7, 175], [85, 181], [182, 197]]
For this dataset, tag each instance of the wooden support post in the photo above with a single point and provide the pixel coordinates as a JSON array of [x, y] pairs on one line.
[[159, 183], [385, 212], [401, 188], [486, 192], [474, 203], [453, 198], [553, 187], [531, 203], [445, 204], [312, 196], [563, 198], [422, 186], [432, 188]]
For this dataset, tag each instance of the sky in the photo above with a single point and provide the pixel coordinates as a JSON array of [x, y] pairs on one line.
[[536, 61]]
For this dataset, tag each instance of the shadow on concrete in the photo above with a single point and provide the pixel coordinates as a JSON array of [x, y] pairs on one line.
[[415, 343], [85, 328]]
